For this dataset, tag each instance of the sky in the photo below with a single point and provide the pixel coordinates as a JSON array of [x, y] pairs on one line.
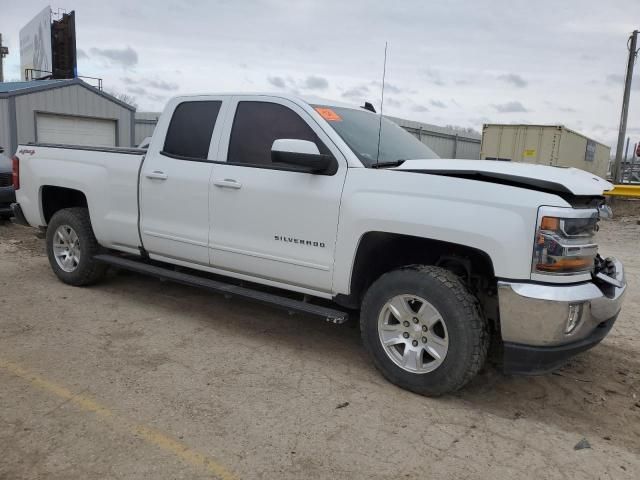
[[455, 62]]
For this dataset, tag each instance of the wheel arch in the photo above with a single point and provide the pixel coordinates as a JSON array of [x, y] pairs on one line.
[[54, 198], [380, 252]]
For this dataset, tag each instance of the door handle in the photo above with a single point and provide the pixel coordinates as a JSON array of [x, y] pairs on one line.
[[227, 183], [157, 175]]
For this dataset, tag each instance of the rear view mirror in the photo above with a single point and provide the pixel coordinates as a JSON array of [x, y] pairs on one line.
[[301, 153]]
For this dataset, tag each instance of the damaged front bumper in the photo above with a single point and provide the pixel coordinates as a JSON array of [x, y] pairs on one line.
[[543, 325]]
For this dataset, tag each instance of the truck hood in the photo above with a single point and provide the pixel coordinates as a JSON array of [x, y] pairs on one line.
[[560, 180]]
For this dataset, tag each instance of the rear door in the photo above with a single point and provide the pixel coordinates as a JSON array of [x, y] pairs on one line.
[[174, 182], [269, 220]]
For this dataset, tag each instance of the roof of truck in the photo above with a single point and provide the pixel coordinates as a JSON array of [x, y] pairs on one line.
[[289, 96]]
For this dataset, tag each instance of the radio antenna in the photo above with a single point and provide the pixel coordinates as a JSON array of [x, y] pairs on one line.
[[384, 73]]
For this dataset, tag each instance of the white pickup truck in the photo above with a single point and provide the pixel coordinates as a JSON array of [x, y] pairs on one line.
[[303, 205]]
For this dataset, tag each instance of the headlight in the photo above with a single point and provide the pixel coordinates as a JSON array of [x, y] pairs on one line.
[[564, 242]]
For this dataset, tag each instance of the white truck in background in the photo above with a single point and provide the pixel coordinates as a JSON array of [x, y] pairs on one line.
[[439, 256]]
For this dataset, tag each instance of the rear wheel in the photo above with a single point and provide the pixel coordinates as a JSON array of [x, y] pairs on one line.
[[71, 246], [424, 330]]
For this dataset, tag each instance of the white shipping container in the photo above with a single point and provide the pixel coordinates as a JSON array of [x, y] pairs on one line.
[[544, 144]]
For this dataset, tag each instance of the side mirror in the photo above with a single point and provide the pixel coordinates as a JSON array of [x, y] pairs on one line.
[[1, 149], [301, 153]]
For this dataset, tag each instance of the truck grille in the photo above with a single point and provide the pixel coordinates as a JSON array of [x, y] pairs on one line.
[[6, 179]]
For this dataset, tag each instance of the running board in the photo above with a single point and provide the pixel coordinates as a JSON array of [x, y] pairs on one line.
[[227, 289]]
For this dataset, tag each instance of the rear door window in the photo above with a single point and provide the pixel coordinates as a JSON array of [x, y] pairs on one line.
[[190, 129]]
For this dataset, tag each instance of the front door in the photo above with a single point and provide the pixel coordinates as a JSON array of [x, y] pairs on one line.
[[269, 220]]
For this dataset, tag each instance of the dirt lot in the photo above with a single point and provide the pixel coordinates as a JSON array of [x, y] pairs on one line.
[[135, 378]]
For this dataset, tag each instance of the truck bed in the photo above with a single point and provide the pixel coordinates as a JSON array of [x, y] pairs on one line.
[[107, 177]]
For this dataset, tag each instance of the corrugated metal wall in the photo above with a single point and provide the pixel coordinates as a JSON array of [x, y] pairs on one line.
[[5, 132], [446, 142], [544, 144], [71, 100], [145, 125]]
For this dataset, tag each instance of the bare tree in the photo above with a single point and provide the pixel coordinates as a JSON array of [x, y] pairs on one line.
[[123, 97]]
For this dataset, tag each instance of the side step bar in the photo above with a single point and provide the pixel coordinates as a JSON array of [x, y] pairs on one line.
[[227, 289]]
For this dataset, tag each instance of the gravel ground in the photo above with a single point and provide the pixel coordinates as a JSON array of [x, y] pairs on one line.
[[135, 378]]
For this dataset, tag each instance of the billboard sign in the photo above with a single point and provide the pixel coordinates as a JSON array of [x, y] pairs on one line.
[[63, 45], [35, 45]]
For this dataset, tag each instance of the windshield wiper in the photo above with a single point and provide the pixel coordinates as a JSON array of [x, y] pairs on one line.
[[395, 163]]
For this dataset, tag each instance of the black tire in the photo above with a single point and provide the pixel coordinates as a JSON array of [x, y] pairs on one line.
[[88, 271], [466, 328]]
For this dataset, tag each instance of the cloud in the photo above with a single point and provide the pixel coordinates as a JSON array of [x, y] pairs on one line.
[[162, 85], [81, 54], [434, 77], [157, 98], [391, 88], [393, 102], [618, 79], [313, 82], [615, 78], [510, 107], [137, 90], [277, 82], [136, 85], [419, 108], [126, 57], [437, 104], [513, 79], [357, 93]]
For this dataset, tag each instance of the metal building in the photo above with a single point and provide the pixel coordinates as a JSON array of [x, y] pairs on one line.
[[62, 111], [554, 145], [446, 142], [145, 125]]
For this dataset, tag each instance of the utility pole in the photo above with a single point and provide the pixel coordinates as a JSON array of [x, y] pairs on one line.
[[4, 51], [632, 45], [626, 150]]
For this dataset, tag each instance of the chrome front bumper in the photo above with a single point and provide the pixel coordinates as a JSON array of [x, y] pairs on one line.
[[536, 314], [533, 320]]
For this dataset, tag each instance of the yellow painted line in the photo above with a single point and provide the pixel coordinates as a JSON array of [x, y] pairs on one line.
[[148, 434], [624, 190]]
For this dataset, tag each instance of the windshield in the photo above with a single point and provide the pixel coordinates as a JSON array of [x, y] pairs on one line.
[[359, 130]]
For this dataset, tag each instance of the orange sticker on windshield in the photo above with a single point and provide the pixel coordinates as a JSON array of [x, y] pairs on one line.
[[328, 114]]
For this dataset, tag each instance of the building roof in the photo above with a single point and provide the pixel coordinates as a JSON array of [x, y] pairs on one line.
[[11, 89]]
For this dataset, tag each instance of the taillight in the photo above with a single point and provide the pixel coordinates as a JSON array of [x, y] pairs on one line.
[[16, 172]]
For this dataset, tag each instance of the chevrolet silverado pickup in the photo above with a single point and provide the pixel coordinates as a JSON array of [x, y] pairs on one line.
[[329, 209]]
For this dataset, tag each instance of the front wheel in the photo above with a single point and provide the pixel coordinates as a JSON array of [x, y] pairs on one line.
[[424, 330], [71, 246]]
